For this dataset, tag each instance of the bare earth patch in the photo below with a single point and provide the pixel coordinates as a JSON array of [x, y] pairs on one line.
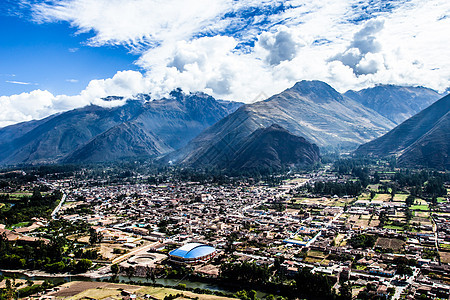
[[445, 257], [93, 289]]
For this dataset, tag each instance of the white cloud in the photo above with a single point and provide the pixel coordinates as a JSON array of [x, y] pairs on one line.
[[19, 82], [281, 46], [133, 22], [39, 104], [25, 107], [360, 54], [220, 48], [365, 40]]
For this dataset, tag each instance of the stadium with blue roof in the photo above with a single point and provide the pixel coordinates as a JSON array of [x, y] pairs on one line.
[[192, 253]]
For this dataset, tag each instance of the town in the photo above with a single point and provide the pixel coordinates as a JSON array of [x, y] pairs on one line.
[[378, 234]]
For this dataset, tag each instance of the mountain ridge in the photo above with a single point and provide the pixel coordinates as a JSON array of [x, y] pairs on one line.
[[396, 103], [168, 123], [195, 129], [311, 109], [274, 147], [421, 140]]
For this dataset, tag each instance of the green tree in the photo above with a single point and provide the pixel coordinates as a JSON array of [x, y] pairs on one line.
[[9, 289], [313, 285], [130, 272], [410, 200], [247, 273], [363, 241], [83, 265], [345, 292], [115, 269], [148, 273], [95, 237]]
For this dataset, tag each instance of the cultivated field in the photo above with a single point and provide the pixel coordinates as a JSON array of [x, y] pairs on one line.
[[386, 243], [400, 197], [382, 197], [102, 290]]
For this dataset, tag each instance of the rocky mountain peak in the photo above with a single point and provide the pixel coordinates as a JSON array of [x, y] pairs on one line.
[[316, 90]]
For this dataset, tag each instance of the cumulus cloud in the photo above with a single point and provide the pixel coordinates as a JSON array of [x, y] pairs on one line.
[[25, 107], [281, 46], [238, 50], [202, 64], [39, 104], [359, 55], [365, 39]]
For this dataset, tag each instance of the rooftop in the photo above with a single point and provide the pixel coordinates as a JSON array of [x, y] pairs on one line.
[[192, 251]]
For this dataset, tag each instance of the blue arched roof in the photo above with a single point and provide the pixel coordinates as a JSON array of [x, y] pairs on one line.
[[192, 251]]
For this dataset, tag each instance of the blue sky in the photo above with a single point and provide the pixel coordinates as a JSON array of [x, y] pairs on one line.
[[50, 56], [62, 54]]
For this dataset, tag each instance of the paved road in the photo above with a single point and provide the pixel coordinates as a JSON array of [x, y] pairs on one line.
[[135, 251], [320, 232], [56, 210], [436, 242]]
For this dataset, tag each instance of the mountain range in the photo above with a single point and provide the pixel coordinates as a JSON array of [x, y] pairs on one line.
[[422, 140], [394, 102], [273, 148], [96, 134], [197, 130], [310, 109]]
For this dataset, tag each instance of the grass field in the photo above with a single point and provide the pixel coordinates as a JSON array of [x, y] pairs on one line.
[[445, 246], [341, 202], [393, 227], [18, 195], [22, 224], [441, 199], [419, 201], [420, 207], [295, 180], [364, 196], [98, 293]]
